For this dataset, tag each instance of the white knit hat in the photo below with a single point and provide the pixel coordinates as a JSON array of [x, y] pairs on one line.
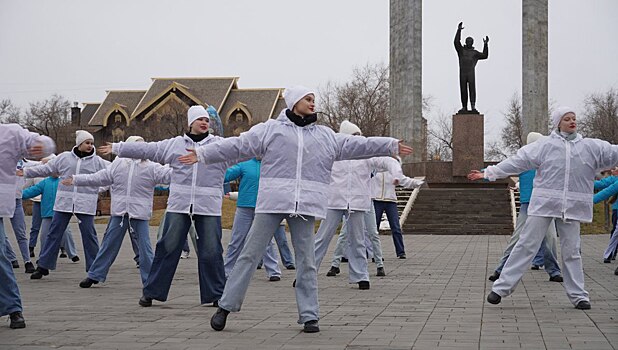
[[556, 117], [135, 139], [196, 112], [349, 128], [294, 94], [533, 136], [81, 136]]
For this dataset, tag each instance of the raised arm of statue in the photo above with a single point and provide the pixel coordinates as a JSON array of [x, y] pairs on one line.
[[485, 53], [457, 40]]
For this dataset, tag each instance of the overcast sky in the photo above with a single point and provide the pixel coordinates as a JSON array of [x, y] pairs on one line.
[[80, 48]]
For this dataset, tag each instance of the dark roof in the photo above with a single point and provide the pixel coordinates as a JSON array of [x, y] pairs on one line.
[[127, 99], [279, 107], [87, 112], [208, 91], [259, 102]]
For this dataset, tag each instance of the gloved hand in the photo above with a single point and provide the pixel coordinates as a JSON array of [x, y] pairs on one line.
[[233, 196]]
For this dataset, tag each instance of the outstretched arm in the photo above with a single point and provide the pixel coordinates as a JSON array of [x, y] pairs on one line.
[[100, 178], [485, 53], [159, 152], [528, 157], [387, 164], [43, 170], [457, 40], [607, 155], [606, 193], [355, 147], [33, 145], [231, 149], [33, 191]]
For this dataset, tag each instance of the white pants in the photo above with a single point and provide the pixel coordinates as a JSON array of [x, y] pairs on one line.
[[528, 245], [355, 222], [611, 247]]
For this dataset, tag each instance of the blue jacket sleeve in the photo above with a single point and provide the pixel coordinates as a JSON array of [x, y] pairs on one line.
[[33, 191], [606, 193], [233, 173], [605, 182]]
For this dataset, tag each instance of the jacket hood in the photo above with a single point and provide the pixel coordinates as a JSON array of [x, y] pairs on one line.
[[284, 119], [555, 134], [94, 152], [187, 138]]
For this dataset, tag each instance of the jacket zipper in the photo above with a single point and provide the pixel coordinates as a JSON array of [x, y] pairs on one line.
[[299, 160], [131, 167], [77, 168], [566, 177], [193, 181]]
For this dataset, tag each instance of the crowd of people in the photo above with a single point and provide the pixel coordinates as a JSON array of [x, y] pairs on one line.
[[290, 170]]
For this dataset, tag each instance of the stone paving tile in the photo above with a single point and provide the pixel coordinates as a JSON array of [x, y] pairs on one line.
[[435, 299]]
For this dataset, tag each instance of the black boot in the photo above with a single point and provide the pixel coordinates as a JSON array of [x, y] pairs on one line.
[[363, 285], [29, 267], [583, 305], [381, 272], [556, 278], [39, 273], [494, 298], [145, 301], [495, 276], [17, 320], [218, 320], [31, 249], [311, 327], [334, 271], [87, 282]]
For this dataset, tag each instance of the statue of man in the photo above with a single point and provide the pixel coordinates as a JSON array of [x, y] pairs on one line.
[[468, 57]]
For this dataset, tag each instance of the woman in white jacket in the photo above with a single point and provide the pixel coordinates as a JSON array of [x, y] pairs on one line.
[[563, 189], [297, 157], [132, 187], [350, 199], [15, 143], [71, 200], [385, 201], [196, 195]]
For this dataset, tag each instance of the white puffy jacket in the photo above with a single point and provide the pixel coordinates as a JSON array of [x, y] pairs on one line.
[[383, 189], [14, 144], [133, 182], [296, 161], [350, 185], [564, 181], [72, 199], [196, 188]]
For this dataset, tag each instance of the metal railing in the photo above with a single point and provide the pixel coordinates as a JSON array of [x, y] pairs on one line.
[[410, 203]]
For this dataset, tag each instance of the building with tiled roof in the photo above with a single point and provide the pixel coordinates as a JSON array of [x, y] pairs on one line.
[[160, 112]]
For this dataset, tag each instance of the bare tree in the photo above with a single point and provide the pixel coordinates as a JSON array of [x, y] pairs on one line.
[[363, 101], [9, 113], [169, 121], [511, 136], [601, 117], [49, 117], [440, 140]]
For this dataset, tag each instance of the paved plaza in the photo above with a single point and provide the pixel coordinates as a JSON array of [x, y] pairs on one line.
[[433, 300]]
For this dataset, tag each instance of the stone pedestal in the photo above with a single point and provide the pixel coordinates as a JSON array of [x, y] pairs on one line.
[[468, 147]]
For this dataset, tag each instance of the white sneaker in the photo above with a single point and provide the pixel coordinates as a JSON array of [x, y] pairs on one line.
[[184, 255]]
